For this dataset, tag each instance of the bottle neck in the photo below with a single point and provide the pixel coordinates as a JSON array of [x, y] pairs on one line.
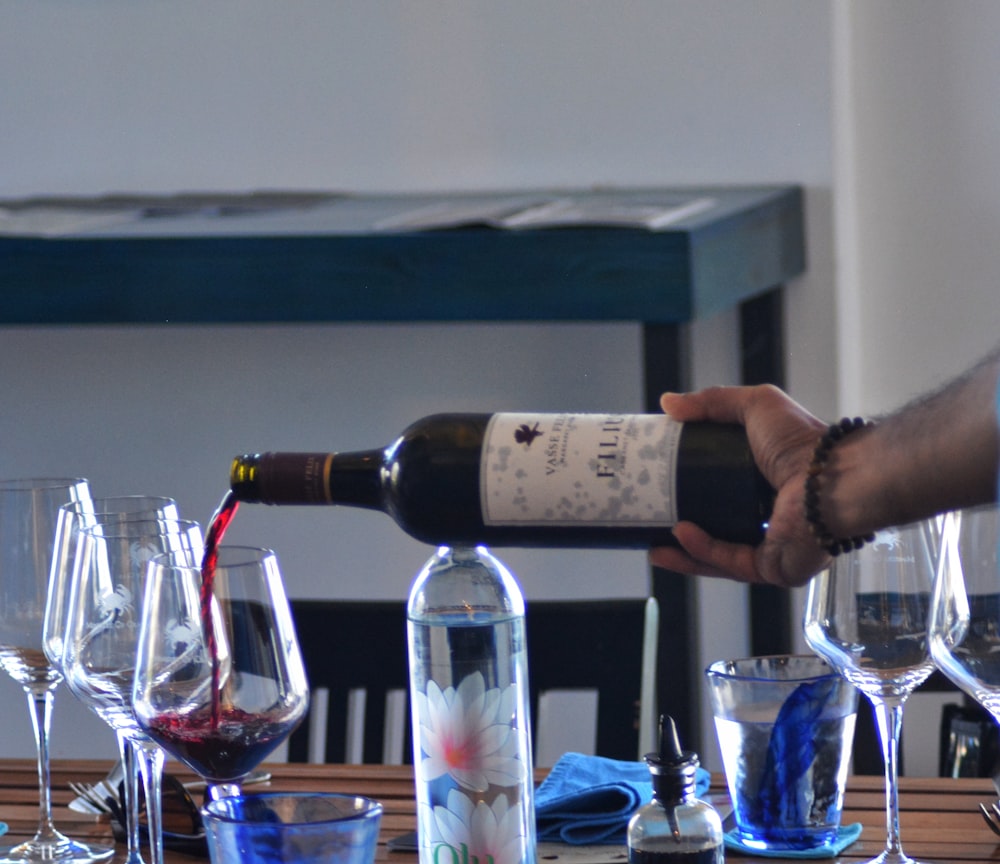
[[356, 479], [309, 478]]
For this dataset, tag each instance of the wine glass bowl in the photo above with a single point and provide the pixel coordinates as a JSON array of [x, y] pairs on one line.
[[867, 615], [73, 517], [101, 630], [102, 623], [964, 631], [28, 510], [219, 679]]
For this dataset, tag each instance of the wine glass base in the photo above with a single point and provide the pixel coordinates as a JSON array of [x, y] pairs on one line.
[[55, 851], [888, 857]]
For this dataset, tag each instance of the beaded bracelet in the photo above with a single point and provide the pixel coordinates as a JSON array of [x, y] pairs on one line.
[[821, 455]]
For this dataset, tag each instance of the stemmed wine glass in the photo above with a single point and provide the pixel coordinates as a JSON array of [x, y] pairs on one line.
[[219, 679], [102, 628], [964, 630], [73, 517], [28, 510], [867, 616]]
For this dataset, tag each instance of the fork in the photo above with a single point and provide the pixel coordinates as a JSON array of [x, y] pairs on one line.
[[96, 795], [93, 795], [991, 813]]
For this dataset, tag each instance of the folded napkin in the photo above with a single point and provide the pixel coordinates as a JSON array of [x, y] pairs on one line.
[[589, 799], [846, 835], [3, 827]]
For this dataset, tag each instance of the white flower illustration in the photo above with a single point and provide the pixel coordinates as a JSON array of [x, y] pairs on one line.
[[468, 734], [491, 834]]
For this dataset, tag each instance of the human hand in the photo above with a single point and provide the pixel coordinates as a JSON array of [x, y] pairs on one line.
[[783, 436]]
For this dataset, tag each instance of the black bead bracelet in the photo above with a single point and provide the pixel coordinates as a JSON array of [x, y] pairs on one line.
[[821, 455]]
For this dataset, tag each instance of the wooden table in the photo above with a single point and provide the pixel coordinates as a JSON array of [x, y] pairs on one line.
[[940, 821]]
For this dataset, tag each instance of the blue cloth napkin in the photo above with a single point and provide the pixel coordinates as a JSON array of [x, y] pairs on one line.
[[589, 799], [3, 827], [846, 835]]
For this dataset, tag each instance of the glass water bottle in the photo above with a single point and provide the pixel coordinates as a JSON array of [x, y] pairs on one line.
[[469, 696]]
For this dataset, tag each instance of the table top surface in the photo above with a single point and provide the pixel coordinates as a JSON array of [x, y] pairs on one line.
[[292, 258], [939, 816]]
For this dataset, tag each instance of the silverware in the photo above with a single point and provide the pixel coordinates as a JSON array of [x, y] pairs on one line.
[[991, 813], [90, 798], [93, 797]]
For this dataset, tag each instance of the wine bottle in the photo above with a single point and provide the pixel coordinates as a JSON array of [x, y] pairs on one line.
[[559, 480]]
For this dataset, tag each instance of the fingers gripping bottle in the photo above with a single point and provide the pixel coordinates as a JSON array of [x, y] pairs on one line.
[[469, 697]]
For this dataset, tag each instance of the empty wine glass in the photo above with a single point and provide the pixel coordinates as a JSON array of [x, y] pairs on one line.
[[102, 628], [964, 631], [867, 616], [219, 679], [71, 519], [28, 510]]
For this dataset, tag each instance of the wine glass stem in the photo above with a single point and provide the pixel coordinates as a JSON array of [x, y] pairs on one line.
[[222, 790], [40, 698], [890, 722], [130, 773], [150, 758]]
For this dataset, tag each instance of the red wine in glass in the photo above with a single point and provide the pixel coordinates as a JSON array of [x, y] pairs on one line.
[[224, 747], [220, 694], [226, 744]]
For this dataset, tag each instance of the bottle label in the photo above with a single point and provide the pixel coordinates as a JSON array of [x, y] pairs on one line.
[[572, 469]]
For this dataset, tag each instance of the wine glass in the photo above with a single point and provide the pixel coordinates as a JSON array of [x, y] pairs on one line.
[[964, 630], [28, 510], [219, 679], [71, 519], [867, 616], [101, 631]]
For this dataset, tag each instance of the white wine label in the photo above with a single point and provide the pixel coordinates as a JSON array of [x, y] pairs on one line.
[[571, 469]]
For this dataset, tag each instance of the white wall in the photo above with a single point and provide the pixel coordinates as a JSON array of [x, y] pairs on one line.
[[922, 210], [885, 111]]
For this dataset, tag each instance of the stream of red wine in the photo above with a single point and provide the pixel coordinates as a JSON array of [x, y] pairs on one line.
[[213, 539]]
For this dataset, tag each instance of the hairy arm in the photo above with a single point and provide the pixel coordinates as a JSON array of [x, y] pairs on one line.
[[938, 453]]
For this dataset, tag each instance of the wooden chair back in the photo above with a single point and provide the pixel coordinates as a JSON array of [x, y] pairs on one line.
[[356, 662]]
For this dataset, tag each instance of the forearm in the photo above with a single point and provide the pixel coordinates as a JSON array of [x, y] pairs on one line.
[[936, 454]]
